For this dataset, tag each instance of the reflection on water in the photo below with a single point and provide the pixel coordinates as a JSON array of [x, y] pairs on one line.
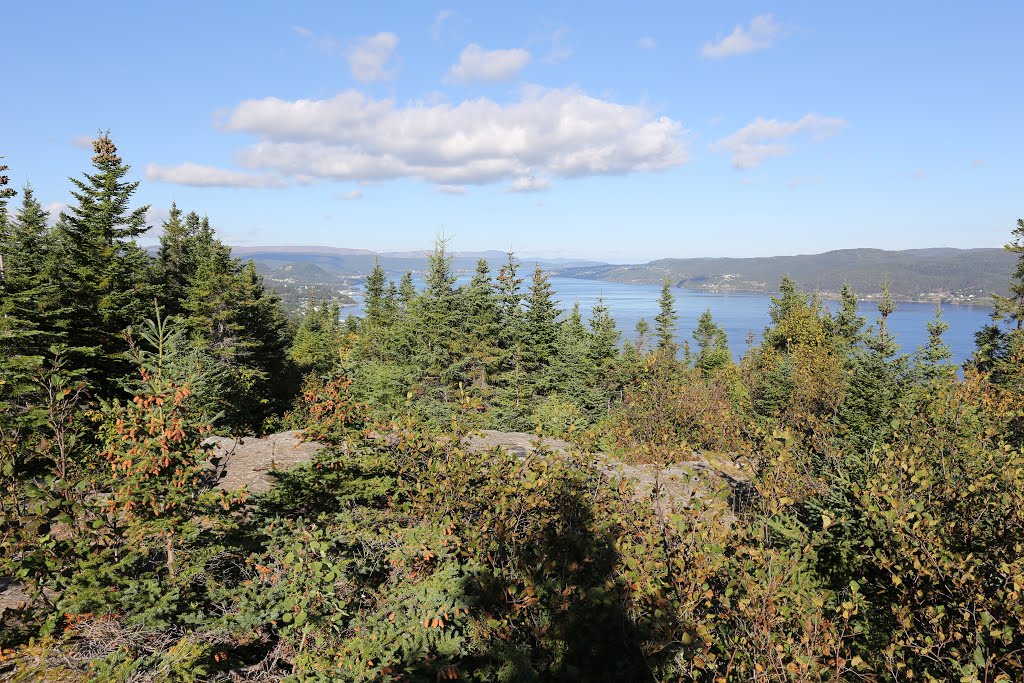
[[744, 314]]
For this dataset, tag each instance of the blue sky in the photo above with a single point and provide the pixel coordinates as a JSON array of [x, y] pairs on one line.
[[559, 129]]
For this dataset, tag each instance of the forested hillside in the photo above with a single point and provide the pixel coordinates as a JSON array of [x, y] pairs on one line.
[[946, 275], [879, 535]]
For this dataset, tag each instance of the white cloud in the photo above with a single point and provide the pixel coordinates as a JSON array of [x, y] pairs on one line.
[[197, 175], [451, 189], [351, 196], [323, 43], [54, 209], [477, 65], [763, 138], [977, 163], [529, 184], [368, 58], [83, 141], [648, 43], [156, 216], [761, 35], [437, 28], [549, 132]]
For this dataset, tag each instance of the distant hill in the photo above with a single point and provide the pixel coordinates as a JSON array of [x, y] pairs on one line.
[[940, 274], [352, 262], [297, 272]]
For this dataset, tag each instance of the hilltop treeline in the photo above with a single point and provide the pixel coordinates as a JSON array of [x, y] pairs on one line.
[[870, 525], [940, 274]]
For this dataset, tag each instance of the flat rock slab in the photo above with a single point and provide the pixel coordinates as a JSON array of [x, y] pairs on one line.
[[12, 597], [250, 461], [519, 443]]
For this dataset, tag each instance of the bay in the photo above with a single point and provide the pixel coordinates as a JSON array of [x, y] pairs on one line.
[[744, 315]]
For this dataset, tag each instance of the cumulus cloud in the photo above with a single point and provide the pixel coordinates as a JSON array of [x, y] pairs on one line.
[[648, 43], [477, 65], [54, 209], [529, 184], [546, 132], [369, 57], [351, 196], [198, 175], [764, 138], [760, 35], [157, 216]]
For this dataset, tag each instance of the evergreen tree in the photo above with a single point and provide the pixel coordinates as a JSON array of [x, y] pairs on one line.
[[373, 303], [176, 258], [642, 329], [28, 305], [1012, 307], [511, 398], [573, 374], [103, 273], [790, 298], [846, 327], [17, 331], [604, 340], [5, 194], [437, 318], [482, 325], [317, 341], [406, 292], [380, 310], [933, 358], [540, 329], [712, 344], [665, 321], [999, 351], [231, 315], [604, 335], [880, 380]]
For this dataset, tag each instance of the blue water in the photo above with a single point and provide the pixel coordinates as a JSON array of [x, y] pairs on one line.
[[744, 315]]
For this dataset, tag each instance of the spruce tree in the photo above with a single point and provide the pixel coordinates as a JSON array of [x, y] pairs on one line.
[[5, 194], [438, 320], [406, 292], [604, 339], [712, 344], [642, 329], [573, 374], [373, 303], [103, 273], [28, 303], [665, 321], [176, 258], [933, 358], [1012, 307], [846, 327], [1000, 352], [512, 395], [540, 329], [482, 325], [880, 380]]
